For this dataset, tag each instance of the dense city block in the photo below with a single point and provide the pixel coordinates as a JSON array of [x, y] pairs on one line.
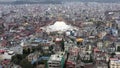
[[65, 35]]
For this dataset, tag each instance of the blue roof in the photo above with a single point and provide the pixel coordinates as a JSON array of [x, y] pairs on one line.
[[39, 59], [43, 58], [38, 39], [33, 61], [0, 66]]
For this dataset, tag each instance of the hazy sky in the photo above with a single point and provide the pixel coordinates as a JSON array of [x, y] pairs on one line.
[[6, 0], [64, 0]]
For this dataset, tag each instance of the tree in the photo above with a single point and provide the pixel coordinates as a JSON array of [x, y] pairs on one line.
[[118, 48], [62, 45], [17, 58], [25, 51], [51, 48], [113, 54], [26, 64], [28, 50], [98, 23], [33, 49]]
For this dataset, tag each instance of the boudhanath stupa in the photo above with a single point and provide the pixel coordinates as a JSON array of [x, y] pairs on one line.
[[58, 26]]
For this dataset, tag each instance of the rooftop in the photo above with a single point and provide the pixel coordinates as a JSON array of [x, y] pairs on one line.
[[56, 57]]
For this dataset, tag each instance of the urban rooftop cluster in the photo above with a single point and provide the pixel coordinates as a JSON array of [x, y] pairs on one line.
[[70, 35]]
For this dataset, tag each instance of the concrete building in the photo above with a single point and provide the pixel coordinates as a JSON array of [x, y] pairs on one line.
[[114, 63], [57, 60], [72, 59], [71, 62], [17, 49]]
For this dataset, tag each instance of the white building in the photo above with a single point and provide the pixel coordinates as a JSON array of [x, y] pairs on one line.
[[114, 63], [57, 60], [17, 49]]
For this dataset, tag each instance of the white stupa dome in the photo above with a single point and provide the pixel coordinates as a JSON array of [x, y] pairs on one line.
[[58, 26]]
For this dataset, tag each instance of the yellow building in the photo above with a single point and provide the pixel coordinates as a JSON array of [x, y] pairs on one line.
[[79, 39]]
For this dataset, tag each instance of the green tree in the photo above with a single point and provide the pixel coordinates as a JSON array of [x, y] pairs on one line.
[[51, 48], [28, 50], [24, 51], [118, 49], [16, 58], [26, 64], [62, 45], [113, 54]]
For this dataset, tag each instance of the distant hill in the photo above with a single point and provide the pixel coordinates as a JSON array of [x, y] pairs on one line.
[[31, 2], [101, 1], [37, 1], [54, 1]]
